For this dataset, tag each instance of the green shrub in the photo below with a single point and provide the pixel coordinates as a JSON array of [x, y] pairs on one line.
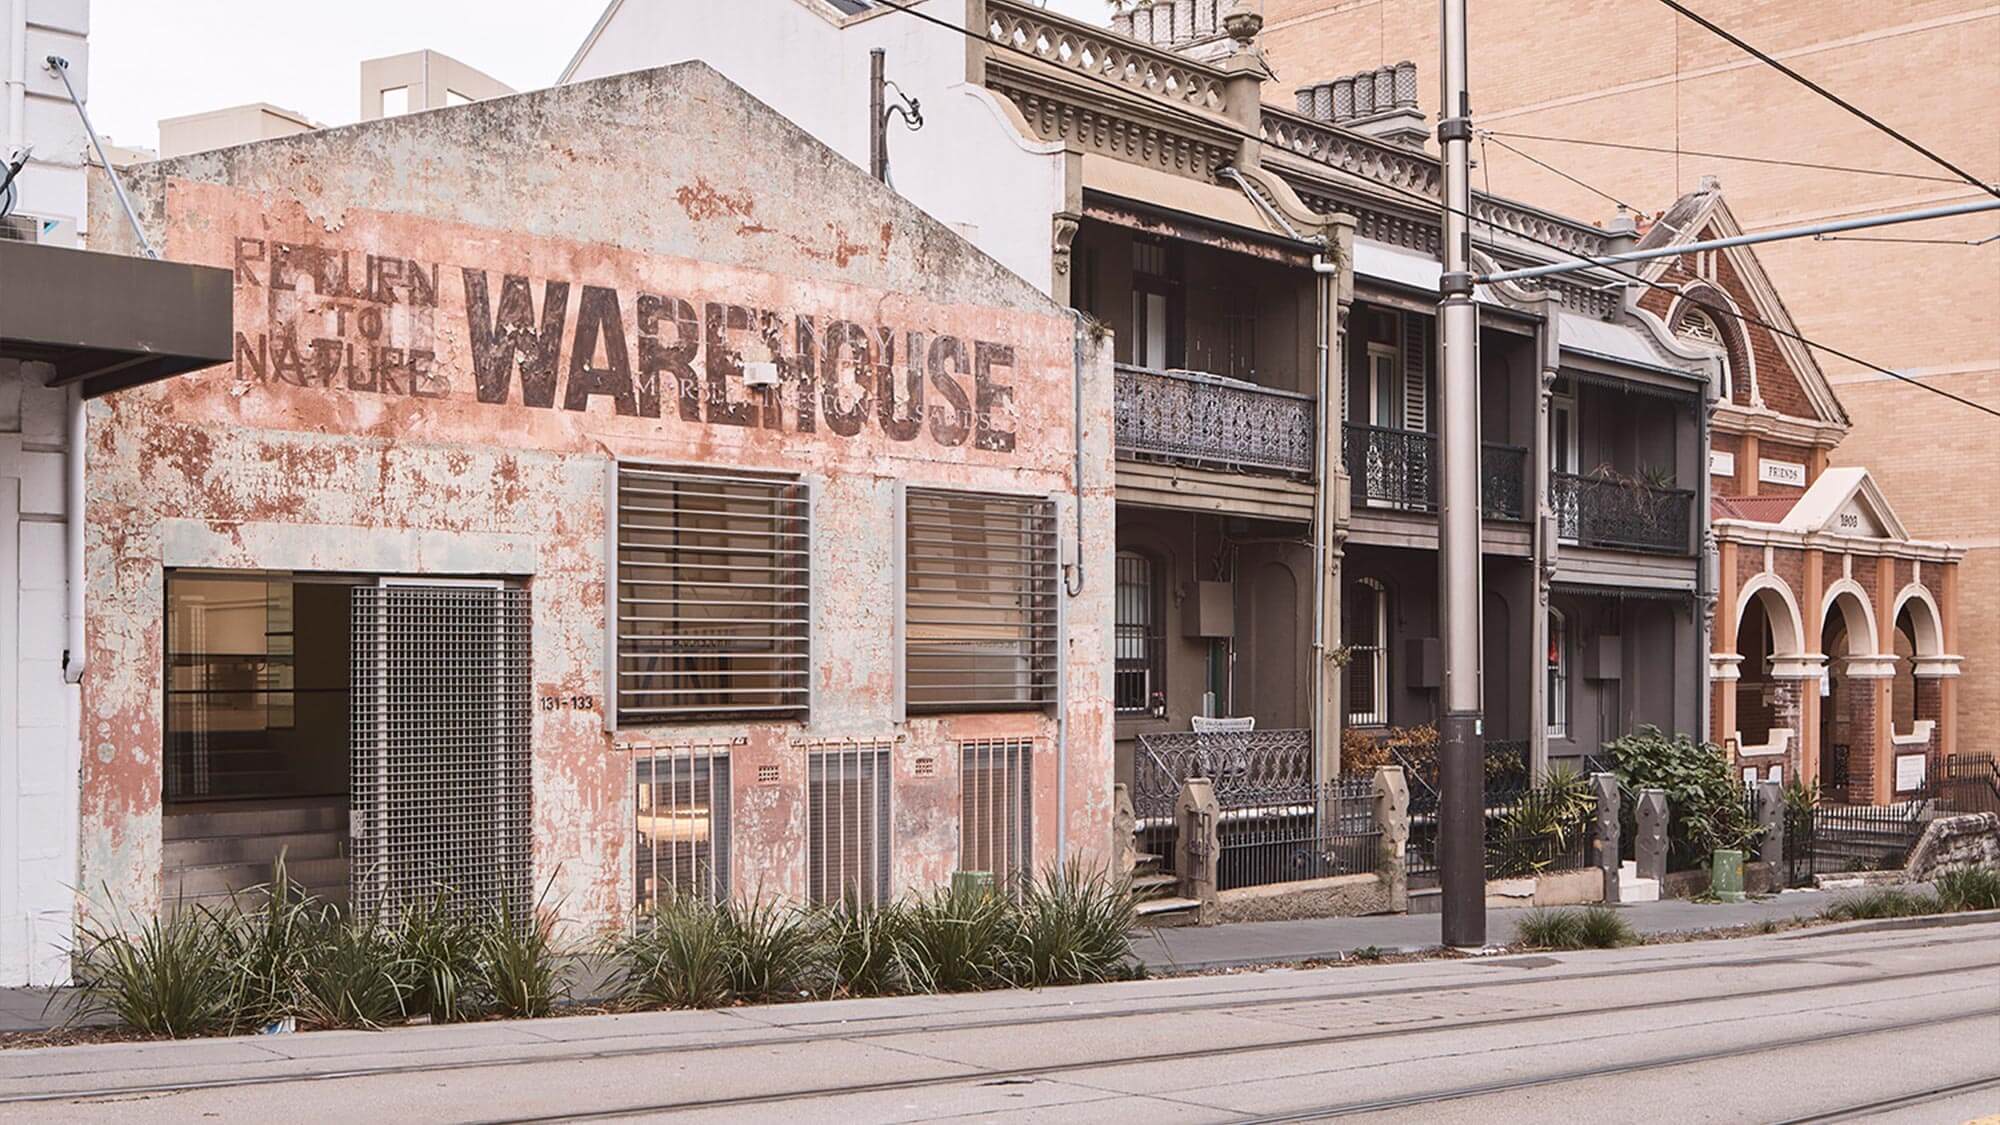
[[1882, 902], [1600, 927], [1543, 928], [1704, 795], [440, 951], [170, 976], [1075, 927], [957, 939], [1540, 829], [773, 950], [521, 973], [1969, 888], [272, 932], [678, 957], [859, 950], [355, 976]]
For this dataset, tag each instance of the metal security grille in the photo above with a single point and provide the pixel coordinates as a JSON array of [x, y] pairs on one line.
[[847, 823], [1139, 643], [996, 799], [680, 823], [714, 594], [441, 746], [980, 613]]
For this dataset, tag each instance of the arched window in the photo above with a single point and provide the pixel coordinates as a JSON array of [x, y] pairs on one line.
[[1140, 649], [1557, 670], [1696, 326], [1365, 629]]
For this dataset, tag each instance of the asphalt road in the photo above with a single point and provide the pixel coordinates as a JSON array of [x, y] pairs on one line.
[[1882, 1024]]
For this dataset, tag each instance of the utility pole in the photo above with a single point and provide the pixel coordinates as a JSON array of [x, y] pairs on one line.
[[1462, 736]]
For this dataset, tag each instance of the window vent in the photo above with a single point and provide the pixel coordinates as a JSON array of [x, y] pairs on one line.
[[440, 737], [714, 599], [996, 800], [681, 824], [847, 823], [767, 775], [980, 612], [925, 767]]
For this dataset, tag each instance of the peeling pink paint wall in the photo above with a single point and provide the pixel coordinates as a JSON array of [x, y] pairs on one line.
[[396, 448]]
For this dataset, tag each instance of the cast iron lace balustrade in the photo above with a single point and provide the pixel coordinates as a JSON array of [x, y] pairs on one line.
[[1250, 767], [1398, 469], [1094, 50], [1607, 512], [1210, 420]]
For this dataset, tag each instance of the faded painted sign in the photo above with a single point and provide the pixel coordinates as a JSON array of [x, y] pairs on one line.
[[391, 307]]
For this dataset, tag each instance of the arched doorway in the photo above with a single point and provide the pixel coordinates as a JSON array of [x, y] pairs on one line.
[[1770, 653], [1848, 695]]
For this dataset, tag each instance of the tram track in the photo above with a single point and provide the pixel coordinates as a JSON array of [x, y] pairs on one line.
[[1204, 1002]]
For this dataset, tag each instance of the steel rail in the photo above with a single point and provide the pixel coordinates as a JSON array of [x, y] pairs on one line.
[[844, 1031], [1900, 1101]]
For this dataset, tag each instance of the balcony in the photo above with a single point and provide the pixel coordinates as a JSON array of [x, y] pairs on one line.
[[1393, 468], [1617, 512], [1212, 421]]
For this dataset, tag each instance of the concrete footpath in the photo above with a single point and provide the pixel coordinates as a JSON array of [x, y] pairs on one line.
[[1198, 948]]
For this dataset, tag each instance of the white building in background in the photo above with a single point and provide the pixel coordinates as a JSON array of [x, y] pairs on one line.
[[39, 117], [967, 167]]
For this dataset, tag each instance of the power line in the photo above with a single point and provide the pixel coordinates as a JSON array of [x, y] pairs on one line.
[[1829, 95], [1428, 202], [1565, 175], [1808, 164], [1909, 241]]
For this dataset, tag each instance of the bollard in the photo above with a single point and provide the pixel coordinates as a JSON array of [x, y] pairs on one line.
[[1649, 846], [1392, 818], [1606, 841], [1771, 817]]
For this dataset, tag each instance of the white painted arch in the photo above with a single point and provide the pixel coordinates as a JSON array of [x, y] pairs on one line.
[[1851, 599], [1787, 628], [1926, 620]]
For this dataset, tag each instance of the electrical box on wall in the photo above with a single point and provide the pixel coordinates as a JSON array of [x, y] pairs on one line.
[[1602, 657], [1211, 612], [1423, 662]]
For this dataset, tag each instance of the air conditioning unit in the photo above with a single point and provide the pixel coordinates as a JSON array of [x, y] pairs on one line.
[[22, 226]]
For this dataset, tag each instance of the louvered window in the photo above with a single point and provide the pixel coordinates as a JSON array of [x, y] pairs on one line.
[[847, 824], [680, 824], [996, 796], [1416, 367], [980, 614], [714, 599]]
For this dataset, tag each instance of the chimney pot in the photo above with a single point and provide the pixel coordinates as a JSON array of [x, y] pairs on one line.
[[1343, 99], [1406, 83], [1385, 89], [1364, 95]]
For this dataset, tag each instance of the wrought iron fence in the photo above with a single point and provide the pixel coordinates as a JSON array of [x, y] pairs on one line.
[[1503, 482], [1605, 512], [1506, 765], [1825, 839], [1331, 832], [1248, 769], [1211, 420], [1968, 783], [1398, 469], [1535, 830]]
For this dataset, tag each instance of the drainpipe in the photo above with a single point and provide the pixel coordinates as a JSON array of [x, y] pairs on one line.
[[1073, 568], [17, 73], [73, 657], [1703, 590], [1325, 271]]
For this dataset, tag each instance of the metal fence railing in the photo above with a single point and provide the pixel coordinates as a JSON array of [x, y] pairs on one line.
[[1332, 831], [1826, 839], [1528, 831], [1968, 783]]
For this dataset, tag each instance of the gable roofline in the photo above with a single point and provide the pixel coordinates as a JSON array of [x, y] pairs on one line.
[[1831, 492], [1681, 224]]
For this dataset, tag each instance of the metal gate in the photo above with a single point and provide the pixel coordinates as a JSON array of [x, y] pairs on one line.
[[441, 747]]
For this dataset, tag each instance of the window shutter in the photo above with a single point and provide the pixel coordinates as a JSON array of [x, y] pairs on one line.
[[1416, 372]]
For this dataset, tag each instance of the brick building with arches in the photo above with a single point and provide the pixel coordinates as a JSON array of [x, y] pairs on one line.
[[1835, 638]]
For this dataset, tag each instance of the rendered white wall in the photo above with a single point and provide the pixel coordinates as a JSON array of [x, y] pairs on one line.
[[39, 112], [967, 167], [38, 711]]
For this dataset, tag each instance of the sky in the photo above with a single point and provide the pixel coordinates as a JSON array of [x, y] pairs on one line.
[[151, 59]]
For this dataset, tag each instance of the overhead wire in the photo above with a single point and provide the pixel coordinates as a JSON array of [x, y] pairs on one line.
[[1737, 157], [1763, 57], [1427, 201]]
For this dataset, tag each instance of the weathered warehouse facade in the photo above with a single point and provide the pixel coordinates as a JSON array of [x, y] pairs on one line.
[[612, 489]]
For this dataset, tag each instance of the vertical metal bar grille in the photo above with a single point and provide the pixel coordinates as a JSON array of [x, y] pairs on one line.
[[681, 823], [441, 747], [980, 612], [1139, 641], [713, 605], [847, 823], [996, 798]]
